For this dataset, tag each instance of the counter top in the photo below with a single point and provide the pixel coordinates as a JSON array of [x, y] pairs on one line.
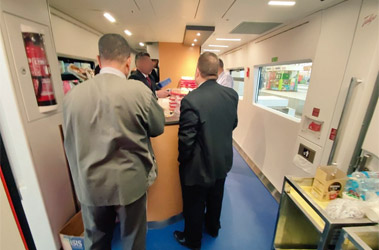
[[173, 120]]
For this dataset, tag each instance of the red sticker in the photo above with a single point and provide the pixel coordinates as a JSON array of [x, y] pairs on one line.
[[314, 127], [316, 112], [333, 134]]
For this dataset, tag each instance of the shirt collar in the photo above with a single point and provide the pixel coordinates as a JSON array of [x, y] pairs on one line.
[[110, 70], [221, 75], [144, 74]]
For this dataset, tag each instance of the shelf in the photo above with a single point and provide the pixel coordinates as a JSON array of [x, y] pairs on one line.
[[69, 77], [308, 211]]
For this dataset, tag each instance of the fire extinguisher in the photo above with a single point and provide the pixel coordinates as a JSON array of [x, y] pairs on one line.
[[39, 69]]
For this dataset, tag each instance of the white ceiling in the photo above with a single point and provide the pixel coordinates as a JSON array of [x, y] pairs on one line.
[[165, 20]]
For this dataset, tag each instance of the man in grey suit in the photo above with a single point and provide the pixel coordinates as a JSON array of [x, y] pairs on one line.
[[108, 122]]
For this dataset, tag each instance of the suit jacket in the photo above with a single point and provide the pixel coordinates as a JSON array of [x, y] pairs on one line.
[[108, 122], [155, 75], [207, 119], [137, 75]]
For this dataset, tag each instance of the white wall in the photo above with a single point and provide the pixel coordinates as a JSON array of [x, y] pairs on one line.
[[72, 40], [268, 137], [153, 50]]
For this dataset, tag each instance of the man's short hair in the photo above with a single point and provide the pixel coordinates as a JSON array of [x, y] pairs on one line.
[[139, 55], [220, 63], [208, 65], [113, 47]]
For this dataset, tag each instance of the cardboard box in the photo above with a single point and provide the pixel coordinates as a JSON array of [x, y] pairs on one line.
[[328, 183], [72, 233]]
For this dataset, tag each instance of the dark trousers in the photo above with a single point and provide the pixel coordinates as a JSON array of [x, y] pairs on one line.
[[197, 199], [99, 224]]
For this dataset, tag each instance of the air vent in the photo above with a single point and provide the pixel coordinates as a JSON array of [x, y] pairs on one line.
[[253, 28]]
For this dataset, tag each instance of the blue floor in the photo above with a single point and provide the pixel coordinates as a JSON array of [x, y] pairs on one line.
[[247, 219]]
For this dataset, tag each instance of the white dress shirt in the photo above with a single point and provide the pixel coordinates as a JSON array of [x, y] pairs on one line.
[[110, 70], [225, 79]]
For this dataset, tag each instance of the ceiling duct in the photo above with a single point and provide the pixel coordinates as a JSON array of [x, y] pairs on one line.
[[191, 32], [255, 28]]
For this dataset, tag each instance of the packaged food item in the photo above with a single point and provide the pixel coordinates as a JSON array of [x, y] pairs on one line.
[[328, 183]]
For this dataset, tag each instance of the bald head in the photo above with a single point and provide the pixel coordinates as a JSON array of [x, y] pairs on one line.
[[208, 65], [113, 47]]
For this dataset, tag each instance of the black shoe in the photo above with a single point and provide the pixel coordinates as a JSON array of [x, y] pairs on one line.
[[214, 234], [179, 236]]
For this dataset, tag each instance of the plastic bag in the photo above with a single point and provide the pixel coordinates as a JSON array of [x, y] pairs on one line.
[[344, 209]]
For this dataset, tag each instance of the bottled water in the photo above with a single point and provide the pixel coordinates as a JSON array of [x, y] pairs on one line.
[[364, 185]]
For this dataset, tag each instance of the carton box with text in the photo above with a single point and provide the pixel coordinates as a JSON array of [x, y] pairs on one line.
[[328, 183], [72, 233]]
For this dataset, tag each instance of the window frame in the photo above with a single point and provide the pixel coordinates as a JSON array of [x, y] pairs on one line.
[[244, 85], [257, 69]]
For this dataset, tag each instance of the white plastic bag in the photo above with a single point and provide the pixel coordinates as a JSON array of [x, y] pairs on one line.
[[344, 209]]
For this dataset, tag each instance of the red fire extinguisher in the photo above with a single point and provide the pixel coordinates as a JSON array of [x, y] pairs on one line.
[[39, 69]]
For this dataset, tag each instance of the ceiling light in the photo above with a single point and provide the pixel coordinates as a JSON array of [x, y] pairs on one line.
[[128, 32], [282, 3], [198, 34], [229, 39], [193, 44], [109, 17], [141, 44], [218, 46], [195, 40], [212, 50]]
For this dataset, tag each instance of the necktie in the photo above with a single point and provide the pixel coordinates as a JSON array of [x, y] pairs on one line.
[[149, 81]]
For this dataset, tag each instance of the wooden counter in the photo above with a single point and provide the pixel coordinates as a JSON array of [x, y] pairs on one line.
[[164, 199]]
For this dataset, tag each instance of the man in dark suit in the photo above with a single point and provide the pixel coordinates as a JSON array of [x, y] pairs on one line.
[[143, 73], [155, 71], [207, 120]]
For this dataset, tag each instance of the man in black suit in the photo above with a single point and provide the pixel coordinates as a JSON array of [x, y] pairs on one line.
[[144, 67], [207, 120], [155, 71]]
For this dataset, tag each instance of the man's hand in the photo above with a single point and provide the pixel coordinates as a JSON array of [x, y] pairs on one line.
[[162, 93]]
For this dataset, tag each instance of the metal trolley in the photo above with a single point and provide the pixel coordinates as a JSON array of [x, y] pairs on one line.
[[360, 238], [302, 222]]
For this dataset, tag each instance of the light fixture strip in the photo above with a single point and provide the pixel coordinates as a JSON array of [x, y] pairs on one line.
[[229, 39], [109, 17], [282, 3], [128, 32], [218, 46], [212, 50]]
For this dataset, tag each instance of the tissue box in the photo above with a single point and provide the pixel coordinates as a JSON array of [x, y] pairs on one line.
[[328, 183], [72, 233]]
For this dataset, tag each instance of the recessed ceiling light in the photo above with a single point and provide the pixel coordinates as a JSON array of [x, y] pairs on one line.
[[195, 40], [229, 39], [212, 50], [198, 34], [193, 44], [218, 46], [141, 44], [128, 32], [282, 3], [109, 17]]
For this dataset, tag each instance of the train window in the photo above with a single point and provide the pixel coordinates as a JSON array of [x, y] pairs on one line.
[[284, 87], [239, 81]]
